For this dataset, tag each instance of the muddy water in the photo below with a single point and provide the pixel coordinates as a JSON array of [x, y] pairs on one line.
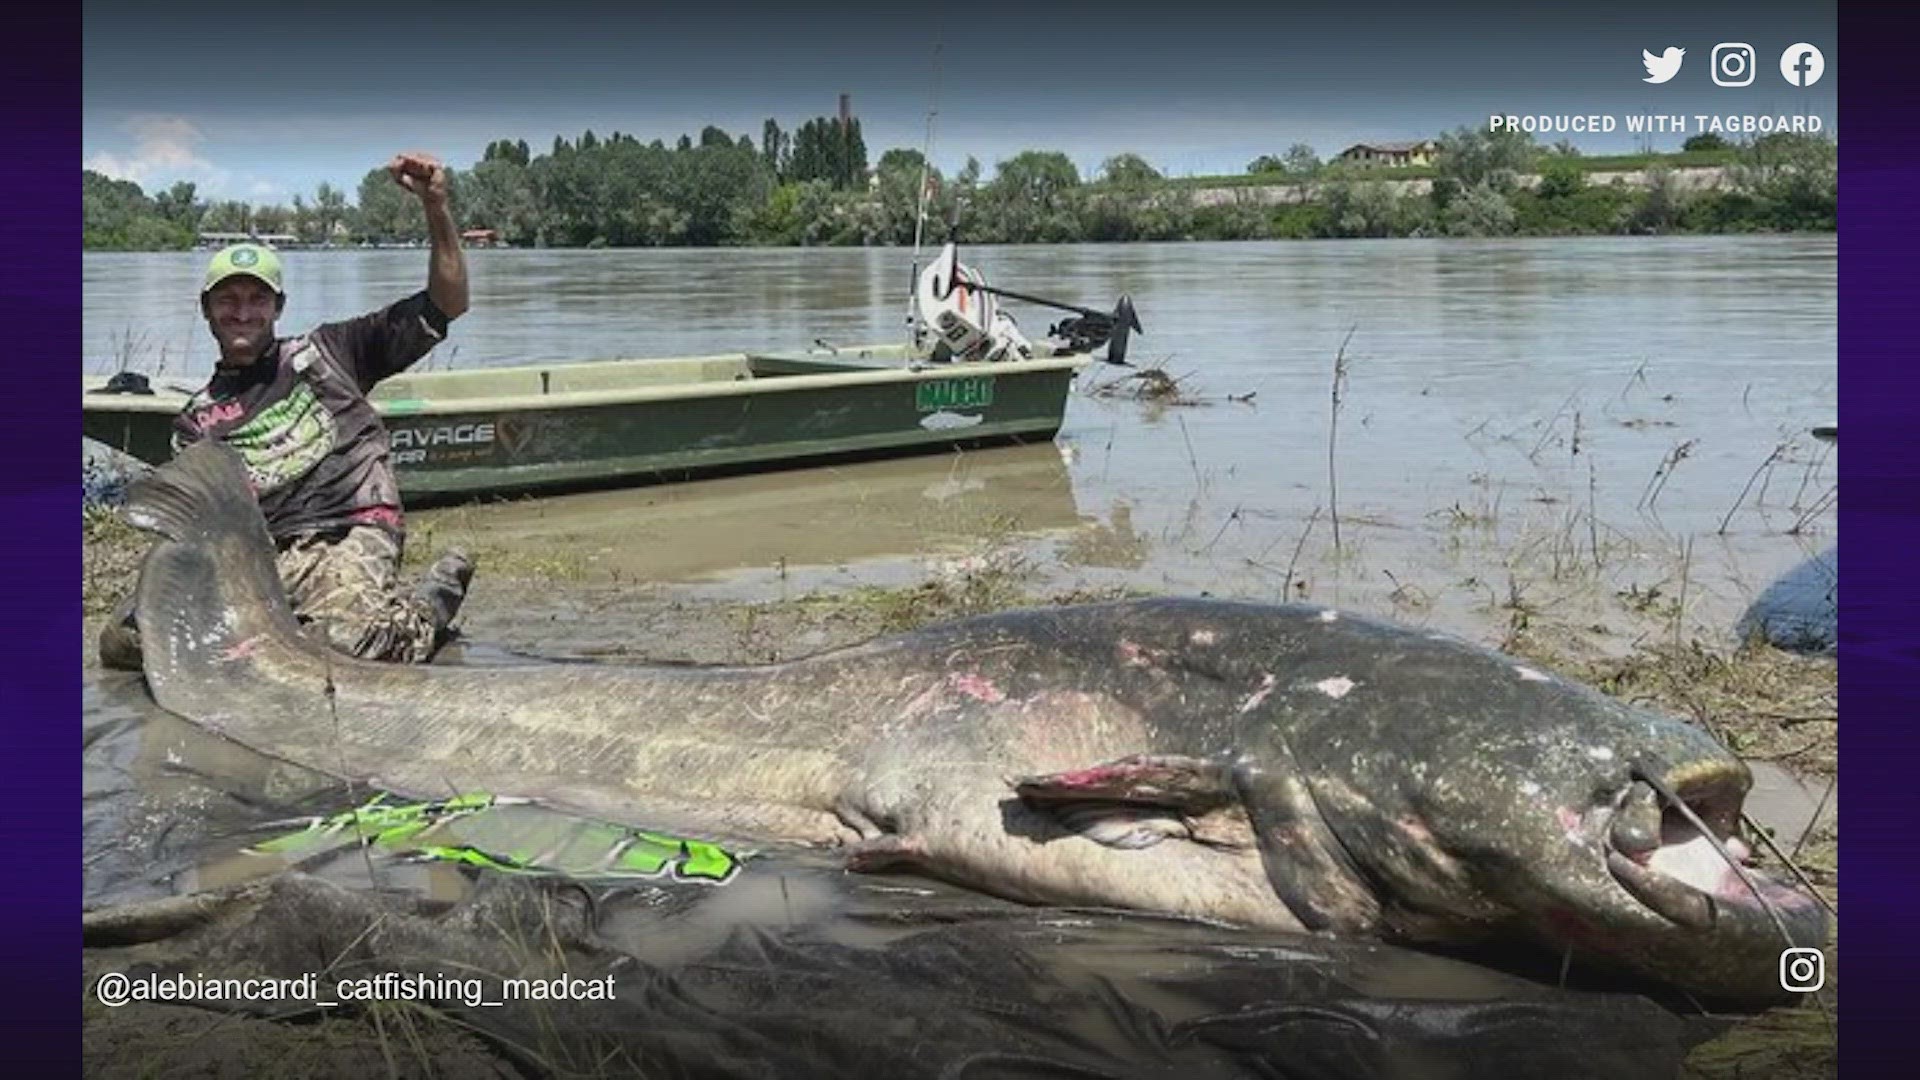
[[1512, 411], [869, 521], [1606, 433]]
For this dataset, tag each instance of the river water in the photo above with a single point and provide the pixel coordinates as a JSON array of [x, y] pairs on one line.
[[1511, 409], [1608, 431]]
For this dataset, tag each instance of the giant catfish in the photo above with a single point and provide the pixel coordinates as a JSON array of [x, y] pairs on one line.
[[1281, 767]]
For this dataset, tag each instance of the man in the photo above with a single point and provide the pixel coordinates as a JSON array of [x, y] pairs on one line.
[[296, 410]]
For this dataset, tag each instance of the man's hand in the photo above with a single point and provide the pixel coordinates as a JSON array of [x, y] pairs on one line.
[[421, 174]]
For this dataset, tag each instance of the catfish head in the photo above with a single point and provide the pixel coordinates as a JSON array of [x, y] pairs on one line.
[[1436, 793], [1498, 797]]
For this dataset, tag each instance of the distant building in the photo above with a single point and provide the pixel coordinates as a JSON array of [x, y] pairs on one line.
[[1392, 155], [480, 237], [222, 239]]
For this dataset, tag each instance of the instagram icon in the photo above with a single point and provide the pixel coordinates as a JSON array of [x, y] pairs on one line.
[[1733, 64], [1802, 970]]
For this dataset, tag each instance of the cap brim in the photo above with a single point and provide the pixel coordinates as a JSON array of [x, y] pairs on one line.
[[209, 286]]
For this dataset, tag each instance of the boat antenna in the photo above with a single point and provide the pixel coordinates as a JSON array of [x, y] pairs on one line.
[[920, 210]]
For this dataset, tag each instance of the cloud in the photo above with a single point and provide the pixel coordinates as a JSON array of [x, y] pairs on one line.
[[168, 149], [165, 149]]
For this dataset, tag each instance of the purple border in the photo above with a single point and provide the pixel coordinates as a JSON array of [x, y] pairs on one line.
[[1879, 660], [39, 574], [1880, 657]]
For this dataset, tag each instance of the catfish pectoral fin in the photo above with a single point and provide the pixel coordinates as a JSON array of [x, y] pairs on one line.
[[1166, 780]]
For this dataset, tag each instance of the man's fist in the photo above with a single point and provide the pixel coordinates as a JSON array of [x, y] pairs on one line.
[[421, 174]]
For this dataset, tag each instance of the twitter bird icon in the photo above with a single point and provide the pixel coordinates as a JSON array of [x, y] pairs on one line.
[[1663, 67]]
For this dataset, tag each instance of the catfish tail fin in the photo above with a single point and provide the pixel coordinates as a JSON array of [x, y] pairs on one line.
[[210, 594], [202, 493]]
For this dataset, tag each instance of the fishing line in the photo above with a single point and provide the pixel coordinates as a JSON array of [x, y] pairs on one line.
[[1693, 819], [920, 208]]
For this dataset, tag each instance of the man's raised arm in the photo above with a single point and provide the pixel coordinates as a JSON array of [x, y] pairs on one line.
[[426, 178]]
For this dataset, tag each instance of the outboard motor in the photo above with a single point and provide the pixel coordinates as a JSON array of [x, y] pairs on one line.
[[957, 305], [951, 300]]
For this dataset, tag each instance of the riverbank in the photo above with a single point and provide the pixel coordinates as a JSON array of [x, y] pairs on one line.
[[1477, 185]]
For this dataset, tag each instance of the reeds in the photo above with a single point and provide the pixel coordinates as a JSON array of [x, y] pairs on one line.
[[1333, 434]]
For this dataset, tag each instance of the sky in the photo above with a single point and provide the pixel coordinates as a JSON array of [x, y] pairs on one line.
[[261, 102]]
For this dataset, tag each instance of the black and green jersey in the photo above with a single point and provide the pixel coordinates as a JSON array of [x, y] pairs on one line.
[[299, 417]]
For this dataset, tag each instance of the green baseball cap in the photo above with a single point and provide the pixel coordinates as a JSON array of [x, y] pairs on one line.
[[252, 260]]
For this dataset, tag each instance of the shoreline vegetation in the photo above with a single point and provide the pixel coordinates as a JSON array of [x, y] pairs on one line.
[[814, 187]]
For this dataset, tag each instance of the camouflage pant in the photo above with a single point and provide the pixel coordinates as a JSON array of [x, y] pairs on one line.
[[346, 582]]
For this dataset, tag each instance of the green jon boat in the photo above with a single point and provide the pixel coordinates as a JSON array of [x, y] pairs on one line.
[[967, 377], [545, 427]]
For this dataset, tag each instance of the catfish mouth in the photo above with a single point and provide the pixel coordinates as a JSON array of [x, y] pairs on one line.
[[1661, 857]]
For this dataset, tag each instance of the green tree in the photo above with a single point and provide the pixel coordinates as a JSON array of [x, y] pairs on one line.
[[499, 194], [1301, 162], [822, 212], [273, 218], [117, 215], [330, 210], [1792, 177], [178, 205], [1470, 157], [507, 150], [898, 193], [1037, 177], [706, 185], [227, 215], [775, 148], [777, 220], [824, 150], [1661, 204], [1360, 208], [1128, 170], [1704, 141], [1560, 177], [386, 212], [903, 161], [1266, 163], [812, 157], [303, 226], [1481, 210]]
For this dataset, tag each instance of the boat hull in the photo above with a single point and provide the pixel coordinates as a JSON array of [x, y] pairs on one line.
[[536, 428]]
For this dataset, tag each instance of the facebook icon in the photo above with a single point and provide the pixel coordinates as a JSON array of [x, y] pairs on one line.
[[1802, 64]]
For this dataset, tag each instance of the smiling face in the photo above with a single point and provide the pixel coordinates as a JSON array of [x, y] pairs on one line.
[[241, 311]]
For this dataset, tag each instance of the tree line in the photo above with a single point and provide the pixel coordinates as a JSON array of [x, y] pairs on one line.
[[814, 186]]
